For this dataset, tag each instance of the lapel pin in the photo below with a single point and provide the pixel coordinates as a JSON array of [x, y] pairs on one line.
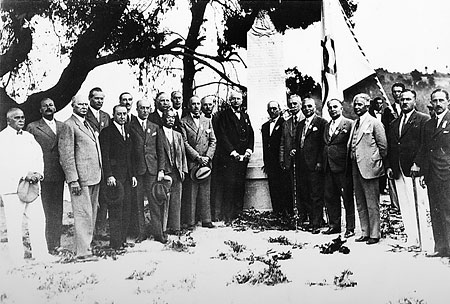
[[444, 124]]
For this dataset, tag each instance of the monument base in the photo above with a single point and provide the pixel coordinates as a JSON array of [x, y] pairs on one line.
[[257, 193]]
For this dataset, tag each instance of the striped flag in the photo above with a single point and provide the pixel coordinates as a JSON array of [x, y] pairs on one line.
[[344, 63]]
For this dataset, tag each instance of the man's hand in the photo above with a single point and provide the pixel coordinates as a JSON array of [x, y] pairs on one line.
[[111, 181], [390, 173], [415, 170], [235, 155], [33, 177], [160, 175], [248, 154], [203, 160], [75, 188], [292, 153], [133, 182], [422, 182]]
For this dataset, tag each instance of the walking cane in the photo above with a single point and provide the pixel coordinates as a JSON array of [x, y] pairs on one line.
[[294, 193], [416, 204]]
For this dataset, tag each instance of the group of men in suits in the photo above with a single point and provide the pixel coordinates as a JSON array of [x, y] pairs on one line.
[[343, 160]]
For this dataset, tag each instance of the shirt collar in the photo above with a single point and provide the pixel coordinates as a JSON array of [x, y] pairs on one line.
[[49, 122], [440, 116], [79, 117], [118, 126], [337, 121]]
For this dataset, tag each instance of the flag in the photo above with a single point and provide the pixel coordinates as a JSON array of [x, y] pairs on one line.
[[343, 62]]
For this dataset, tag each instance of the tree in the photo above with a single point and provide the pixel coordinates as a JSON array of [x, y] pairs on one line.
[[302, 85]]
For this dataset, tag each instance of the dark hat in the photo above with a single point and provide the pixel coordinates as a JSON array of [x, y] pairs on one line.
[[113, 194], [27, 192], [200, 173], [161, 190]]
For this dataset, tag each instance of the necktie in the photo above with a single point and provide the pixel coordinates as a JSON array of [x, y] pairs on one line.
[[295, 120], [86, 124], [355, 136], [332, 128], [123, 133], [305, 129], [143, 126], [402, 125]]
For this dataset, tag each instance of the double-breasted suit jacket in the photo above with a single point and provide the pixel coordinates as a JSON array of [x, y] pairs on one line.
[[98, 125], [52, 186], [287, 143]]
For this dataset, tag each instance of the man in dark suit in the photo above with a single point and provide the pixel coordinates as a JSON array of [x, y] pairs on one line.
[[235, 140], [287, 143], [278, 179], [163, 103], [200, 143], [404, 135], [435, 163], [115, 143], [147, 156], [338, 171], [46, 132], [126, 100], [175, 165], [80, 158], [308, 152], [368, 148]]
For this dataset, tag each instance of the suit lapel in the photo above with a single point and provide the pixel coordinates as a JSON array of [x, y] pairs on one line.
[[84, 129], [336, 132], [408, 124], [444, 124], [363, 126], [46, 129], [311, 126]]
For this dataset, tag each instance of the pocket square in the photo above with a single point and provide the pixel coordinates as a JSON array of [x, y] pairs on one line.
[[154, 133]]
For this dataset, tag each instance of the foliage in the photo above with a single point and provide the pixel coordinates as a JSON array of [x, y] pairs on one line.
[[302, 85]]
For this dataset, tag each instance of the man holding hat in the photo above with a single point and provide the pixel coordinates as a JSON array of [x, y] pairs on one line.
[[119, 174], [200, 143]]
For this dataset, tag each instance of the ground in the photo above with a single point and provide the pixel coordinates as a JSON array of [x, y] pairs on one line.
[[210, 272]]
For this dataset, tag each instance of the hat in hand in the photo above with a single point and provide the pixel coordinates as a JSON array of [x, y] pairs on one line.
[[113, 194], [161, 190], [200, 173], [26, 191]]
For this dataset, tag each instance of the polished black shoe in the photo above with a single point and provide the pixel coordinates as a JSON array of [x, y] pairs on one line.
[[208, 225], [362, 239], [372, 241], [349, 234], [331, 231], [436, 254]]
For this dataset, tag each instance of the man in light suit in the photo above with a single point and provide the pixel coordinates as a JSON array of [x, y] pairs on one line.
[[308, 153], [338, 171], [147, 156], [278, 179], [200, 144], [46, 132], [368, 148], [175, 165], [434, 162], [80, 158], [287, 143]]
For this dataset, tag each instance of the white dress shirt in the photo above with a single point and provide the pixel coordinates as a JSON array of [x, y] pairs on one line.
[[51, 124], [169, 134], [440, 117]]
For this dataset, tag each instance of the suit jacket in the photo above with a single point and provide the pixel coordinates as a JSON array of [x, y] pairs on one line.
[[155, 118], [233, 134], [147, 148], [98, 126], [403, 148], [313, 145], [371, 147], [335, 153], [434, 157], [79, 151], [116, 153], [198, 141], [287, 142], [49, 144], [178, 160], [271, 144]]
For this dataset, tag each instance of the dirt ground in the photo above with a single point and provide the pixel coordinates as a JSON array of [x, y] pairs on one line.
[[214, 271]]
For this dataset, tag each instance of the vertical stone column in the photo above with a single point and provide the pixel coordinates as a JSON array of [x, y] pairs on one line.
[[266, 82]]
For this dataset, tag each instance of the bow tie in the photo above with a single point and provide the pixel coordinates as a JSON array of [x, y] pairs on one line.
[[196, 116], [19, 132]]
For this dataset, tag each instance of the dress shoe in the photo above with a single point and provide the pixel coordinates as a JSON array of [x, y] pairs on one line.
[[436, 254], [315, 231], [331, 231], [162, 240], [140, 239], [87, 258], [208, 225], [372, 241], [362, 239], [349, 234]]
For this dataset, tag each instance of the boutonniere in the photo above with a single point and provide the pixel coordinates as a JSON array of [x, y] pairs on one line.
[[148, 131], [314, 129], [208, 130], [344, 130], [102, 123], [128, 135], [277, 127], [444, 124]]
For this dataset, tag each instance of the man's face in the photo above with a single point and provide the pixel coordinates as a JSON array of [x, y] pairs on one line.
[[47, 109], [207, 106], [359, 106], [143, 109], [407, 102], [127, 101], [235, 100], [334, 109], [195, 105], [273, 109], [163, 102], [96, 100], [177, 100], [16, 120], [120, 115], [308, 107], [80, 107], [294, 105], [169, 119], [378, 104], [396, 92], [439, 102]]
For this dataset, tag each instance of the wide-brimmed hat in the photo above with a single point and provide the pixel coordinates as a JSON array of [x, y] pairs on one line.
[[27, 192], [161, 190], [200, 173], [113, 194]]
